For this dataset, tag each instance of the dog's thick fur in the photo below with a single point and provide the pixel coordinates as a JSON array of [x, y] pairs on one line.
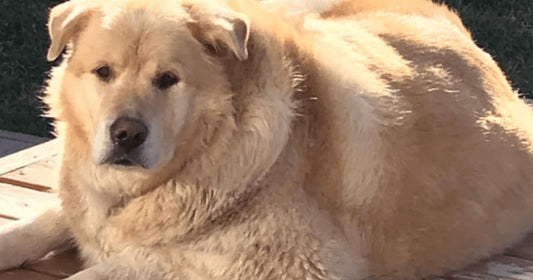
[[373, 139]]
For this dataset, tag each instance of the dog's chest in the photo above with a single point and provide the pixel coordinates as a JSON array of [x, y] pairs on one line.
[[99, 206], [90, 232]]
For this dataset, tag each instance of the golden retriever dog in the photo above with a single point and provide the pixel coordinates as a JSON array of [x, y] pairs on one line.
[[235, 139]]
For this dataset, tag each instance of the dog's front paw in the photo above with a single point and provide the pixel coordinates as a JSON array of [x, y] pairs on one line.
[[31, 239], [14, 246]]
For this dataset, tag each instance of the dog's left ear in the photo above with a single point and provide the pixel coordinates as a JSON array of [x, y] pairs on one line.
[[65, 21], [214, 25]]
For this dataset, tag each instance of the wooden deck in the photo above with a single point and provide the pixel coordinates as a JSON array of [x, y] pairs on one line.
[[26, 188]]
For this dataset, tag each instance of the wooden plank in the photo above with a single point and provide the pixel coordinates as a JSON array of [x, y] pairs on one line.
[[21, 274], [61, 263], [28, 156], [23, 184], [19, 202], [4, 221], [503, 267], [39, 175], [523, 249], [7, 217]]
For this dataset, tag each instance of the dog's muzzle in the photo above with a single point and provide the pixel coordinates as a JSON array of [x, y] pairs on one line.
[[127, 135]]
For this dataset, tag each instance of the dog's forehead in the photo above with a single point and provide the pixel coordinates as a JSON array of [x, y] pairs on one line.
[[128, 32], [140, 14]]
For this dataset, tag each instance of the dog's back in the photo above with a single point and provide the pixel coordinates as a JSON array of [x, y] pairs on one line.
[[447, 183]]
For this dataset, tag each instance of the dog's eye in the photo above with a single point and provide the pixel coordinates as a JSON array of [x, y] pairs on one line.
[[103, 72], [165, 80]]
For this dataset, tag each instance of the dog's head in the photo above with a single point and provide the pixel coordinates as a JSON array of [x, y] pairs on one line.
[[140, 77]]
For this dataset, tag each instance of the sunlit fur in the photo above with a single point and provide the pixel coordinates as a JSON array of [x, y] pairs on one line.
[[364, 139]]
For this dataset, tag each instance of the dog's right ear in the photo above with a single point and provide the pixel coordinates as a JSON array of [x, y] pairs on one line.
[[65, 21], [216, 27]]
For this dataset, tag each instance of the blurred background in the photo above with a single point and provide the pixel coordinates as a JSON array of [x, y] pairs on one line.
[[504, 28]]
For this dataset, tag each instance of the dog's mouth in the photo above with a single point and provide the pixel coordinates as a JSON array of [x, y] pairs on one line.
[[125, 162], [122, 158]]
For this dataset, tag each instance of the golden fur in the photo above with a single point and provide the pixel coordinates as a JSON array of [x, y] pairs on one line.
[[368, 139]]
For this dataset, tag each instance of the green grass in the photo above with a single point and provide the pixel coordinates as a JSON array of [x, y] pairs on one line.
[[23, 43], [504, 28]]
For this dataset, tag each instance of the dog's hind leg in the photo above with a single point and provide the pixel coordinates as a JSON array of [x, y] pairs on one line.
[[31, 239]]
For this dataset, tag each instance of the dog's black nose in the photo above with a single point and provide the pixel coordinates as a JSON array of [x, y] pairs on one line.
[[128, 133]]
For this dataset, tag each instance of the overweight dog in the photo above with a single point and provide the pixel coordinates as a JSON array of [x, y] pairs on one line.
[[238, 140]]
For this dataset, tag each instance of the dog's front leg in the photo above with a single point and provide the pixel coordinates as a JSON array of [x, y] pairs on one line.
[[31, 239], [129, 265]]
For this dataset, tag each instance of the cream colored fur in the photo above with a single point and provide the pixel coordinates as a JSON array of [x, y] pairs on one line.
[[371, 140]]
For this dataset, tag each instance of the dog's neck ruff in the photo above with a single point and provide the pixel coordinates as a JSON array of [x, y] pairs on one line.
[[226, 214], [208, 217]]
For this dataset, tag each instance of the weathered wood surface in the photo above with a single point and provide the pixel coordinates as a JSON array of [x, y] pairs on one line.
[[40, 175], [20, 202], [28, 156], [27, 179], [503, 267], [4, 221]]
